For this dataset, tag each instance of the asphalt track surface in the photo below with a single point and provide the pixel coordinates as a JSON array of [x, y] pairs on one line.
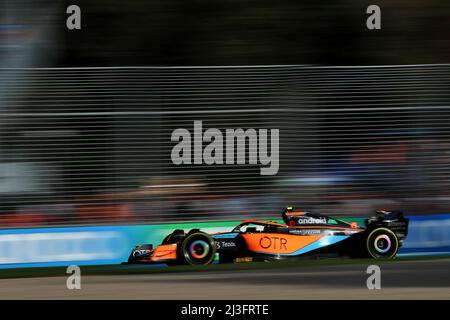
[[421, 279]]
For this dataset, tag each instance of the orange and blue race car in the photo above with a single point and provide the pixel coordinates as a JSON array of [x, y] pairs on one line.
[[302, 235]]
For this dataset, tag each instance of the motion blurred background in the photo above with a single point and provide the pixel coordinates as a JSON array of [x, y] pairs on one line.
[[86, 115]]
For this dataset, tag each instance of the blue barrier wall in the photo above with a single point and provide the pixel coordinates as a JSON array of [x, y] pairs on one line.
[[428, 235], [43, 247]]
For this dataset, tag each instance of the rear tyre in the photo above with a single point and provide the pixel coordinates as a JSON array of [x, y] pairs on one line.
[[198, 248], [382, 243]]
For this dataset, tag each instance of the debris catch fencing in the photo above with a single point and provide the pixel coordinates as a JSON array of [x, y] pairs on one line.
[[93, 145]]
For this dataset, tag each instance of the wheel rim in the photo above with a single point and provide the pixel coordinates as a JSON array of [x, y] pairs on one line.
[[382, 243], [199, 249]]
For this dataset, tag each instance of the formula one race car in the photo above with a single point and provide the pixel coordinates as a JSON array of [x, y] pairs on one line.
[[302, 234]]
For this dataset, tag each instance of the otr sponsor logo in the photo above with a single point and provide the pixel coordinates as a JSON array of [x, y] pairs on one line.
[[273, 243], [227, 148]]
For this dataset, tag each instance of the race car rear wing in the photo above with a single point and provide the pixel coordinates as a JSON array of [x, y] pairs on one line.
[[393, 220]]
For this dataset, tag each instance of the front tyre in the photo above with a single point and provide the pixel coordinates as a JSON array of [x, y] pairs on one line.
[[382, 243], [198, 249]]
